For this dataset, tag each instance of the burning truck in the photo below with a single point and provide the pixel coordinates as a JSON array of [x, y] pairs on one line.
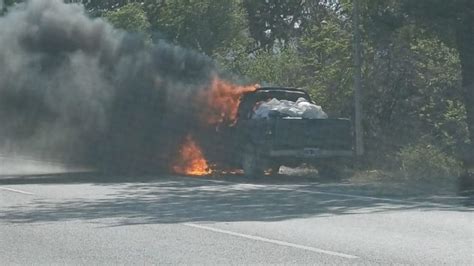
[[260, 129], [76, 89]]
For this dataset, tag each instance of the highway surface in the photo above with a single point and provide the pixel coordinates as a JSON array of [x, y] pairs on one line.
[[94, 219]]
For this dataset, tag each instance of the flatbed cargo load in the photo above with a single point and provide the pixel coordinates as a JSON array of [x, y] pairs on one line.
[[300, 108]]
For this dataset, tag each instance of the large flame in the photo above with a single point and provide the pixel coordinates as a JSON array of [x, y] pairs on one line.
[[191, 161], [220, 103], [222, 100]]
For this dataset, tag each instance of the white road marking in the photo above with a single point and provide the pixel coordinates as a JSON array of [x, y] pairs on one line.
[[344, 195], [273, 241], [374, 198], [16, 191], [426, 203]]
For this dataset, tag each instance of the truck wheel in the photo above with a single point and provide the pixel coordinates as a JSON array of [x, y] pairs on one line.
[[274, 168], [331, 172], [336, 169], [251, 163]]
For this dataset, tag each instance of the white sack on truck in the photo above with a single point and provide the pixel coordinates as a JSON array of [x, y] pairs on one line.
[[301, 108]]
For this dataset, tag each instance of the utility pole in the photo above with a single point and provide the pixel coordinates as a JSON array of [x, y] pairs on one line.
[[359, 138]]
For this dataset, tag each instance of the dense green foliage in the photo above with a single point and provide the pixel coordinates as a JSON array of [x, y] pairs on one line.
[[427, 163], [418, 58], [203, 25], [130, 17]]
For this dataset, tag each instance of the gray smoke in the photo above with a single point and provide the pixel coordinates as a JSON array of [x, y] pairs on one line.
[[76, 88]]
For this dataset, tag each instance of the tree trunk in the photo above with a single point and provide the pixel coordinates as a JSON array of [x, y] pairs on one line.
[[465, 43]]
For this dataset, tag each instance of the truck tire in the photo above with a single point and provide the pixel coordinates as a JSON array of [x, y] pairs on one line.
[[336, 169], [251, 162], [274, 168], [329, 172]]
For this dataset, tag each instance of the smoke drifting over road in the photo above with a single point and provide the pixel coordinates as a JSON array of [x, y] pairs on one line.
[[81, 90]]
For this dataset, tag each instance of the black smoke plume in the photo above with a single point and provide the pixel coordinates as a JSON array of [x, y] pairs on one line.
[[75, 88]]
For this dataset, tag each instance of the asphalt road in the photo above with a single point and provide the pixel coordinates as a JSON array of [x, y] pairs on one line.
[[95, 219]]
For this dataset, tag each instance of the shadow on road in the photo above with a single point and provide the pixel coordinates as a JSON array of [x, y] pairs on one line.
[[74, 178], [150, 200]]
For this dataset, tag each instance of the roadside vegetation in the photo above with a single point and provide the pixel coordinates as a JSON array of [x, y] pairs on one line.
[[417, 64]]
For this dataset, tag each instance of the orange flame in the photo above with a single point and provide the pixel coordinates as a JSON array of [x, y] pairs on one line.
[[220, 104], [223, 100], [191, 161]]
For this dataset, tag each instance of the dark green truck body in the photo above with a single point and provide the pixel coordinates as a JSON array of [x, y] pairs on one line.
[[270, 143]]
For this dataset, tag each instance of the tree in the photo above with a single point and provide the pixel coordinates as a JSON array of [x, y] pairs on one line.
[[99, 7], [130, 17], [281, 21], [95, 7], [203, 25], [325, 50], [275, 20], [281, 68], [452, 20], [7, 3]]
